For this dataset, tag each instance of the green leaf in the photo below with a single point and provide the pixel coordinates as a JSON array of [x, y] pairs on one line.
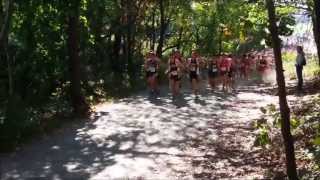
[[294, 123], [316, 141]]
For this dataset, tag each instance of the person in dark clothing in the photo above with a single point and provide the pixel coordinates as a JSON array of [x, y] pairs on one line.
[[213, 71], [300, 62], [174, 72], [194, 71]]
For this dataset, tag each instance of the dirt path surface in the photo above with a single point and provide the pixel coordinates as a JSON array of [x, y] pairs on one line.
[[210, 137]]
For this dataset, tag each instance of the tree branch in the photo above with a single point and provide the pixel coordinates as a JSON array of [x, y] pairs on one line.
[[173, 46]]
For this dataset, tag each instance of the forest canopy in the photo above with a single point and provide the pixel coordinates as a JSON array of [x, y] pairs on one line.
[[46, 46]]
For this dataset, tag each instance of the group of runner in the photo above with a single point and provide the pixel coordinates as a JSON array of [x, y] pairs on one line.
[[222, 69]]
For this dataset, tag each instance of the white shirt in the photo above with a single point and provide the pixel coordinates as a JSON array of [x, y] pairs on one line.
[[299, 60]]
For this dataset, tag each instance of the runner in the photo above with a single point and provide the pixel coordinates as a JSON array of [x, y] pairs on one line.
[[237, 67], [246, 66], [212, 71], [194, 71], [224, 69], [231, 72], [243, 66], [179, 57], [262, 64], [151, 67], [251, 62], [174, 72]]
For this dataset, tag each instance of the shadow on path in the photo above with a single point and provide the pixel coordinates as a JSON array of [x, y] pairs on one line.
[[152, 137]]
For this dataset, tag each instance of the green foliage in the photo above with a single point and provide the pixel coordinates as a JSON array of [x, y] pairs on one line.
[[305, 129], [114, 37], [288, 56], [275, 114], [316, 141], [17, 123], [262, 138], [295, 123], [264, 127]]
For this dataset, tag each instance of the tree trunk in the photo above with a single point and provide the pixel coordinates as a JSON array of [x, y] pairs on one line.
[[130, 37], [129, 51], [129, 42], [153, 42], [2, 17], [10, 74], [5, 20], [220, 40], [79, 104], [162, 29], [115, 60], [98, 26], [316, 25], [284, 108]]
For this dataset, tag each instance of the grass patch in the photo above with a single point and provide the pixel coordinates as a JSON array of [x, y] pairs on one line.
[[311, 70]]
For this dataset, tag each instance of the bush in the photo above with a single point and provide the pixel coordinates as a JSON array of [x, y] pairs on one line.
[[16, 123]]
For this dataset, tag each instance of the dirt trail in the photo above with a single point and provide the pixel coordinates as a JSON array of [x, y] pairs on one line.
[[138, 137]]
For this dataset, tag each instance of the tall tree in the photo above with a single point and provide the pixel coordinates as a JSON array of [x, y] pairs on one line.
[[316, 25], [153, 34], [6, 14], [78, 101], [284, 108], [6, 10], [130, 18], [162, 27]]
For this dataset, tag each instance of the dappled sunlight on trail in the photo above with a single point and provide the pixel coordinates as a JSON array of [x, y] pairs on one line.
[[154, 138]]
